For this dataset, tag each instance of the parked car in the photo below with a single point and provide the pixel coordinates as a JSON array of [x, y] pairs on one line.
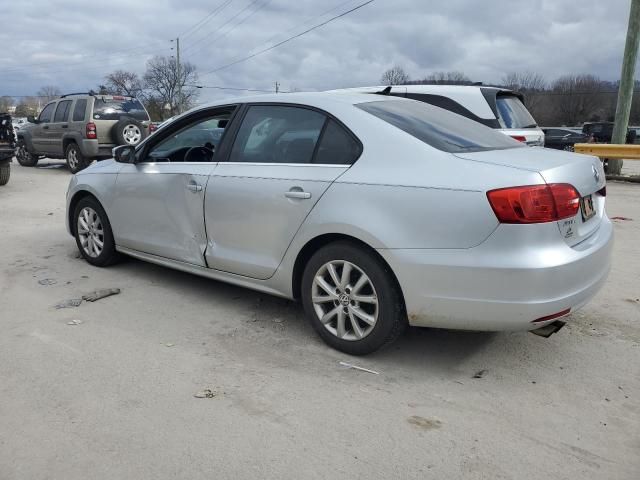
[[82, 127], [603, 131], [7, 147], [563, 138], [494, 107], [375, 211]]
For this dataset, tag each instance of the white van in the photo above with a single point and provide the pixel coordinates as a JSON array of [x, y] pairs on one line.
[[494, 107]]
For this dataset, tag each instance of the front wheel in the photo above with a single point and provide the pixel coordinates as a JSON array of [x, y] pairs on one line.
[[93, 233], [568, 148], [5, 173], [75, 160], [351, 299], [24, 157]]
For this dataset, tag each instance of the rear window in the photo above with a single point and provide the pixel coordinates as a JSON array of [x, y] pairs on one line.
[[512, 113], [439, 128], [115, 109]]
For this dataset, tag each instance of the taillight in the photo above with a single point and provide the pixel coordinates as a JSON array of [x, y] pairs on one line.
[[520, 138], [534, 203], [91, 131]]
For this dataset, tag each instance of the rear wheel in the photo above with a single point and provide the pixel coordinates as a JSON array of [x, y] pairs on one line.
[[5, 173], [75, 160], [568, 148], [93, 233], [24, 157], [351, 299]]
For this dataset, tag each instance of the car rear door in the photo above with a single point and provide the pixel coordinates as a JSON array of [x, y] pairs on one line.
[[59, 126], [158, 202], [283, 159]]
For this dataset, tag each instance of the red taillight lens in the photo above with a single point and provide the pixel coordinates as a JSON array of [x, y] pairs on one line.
[[91, 131], [520, 138], [534, 203]]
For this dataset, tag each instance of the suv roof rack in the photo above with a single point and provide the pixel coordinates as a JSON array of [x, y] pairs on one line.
[[78, 93]]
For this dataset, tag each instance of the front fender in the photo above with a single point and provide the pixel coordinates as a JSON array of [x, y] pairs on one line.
[[26, 137]]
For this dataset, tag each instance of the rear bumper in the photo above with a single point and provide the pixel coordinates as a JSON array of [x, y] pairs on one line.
[[89, 148], [505, 283]]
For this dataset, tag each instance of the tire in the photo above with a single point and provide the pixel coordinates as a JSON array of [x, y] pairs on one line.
[[128, 131], [386, 320], [5, 173], [24, 157], [97, 227], [75, 160], [568, 148]]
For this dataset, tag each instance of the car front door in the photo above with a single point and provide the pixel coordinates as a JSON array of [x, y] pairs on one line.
[[40, 136], [158, 202], [59, 126], [282, 161]]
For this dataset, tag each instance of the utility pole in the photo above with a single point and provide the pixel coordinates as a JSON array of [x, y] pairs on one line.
[[625, 90], [179, 75], [277, 87]]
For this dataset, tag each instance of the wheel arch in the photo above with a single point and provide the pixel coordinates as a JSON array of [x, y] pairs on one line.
[[316, 243], [66, 140], [79, 195]]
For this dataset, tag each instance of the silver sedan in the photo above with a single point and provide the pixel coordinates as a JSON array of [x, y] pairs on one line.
[[376, 212]]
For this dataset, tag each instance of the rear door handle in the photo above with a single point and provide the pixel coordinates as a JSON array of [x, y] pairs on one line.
[[65, 126], [46, 127], [297, 194], [194, 187]]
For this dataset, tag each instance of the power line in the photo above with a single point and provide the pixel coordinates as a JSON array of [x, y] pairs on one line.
[[244, 59], [193, 29], [216, 87]]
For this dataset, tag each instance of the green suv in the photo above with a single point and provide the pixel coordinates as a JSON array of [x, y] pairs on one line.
[[81, 127]]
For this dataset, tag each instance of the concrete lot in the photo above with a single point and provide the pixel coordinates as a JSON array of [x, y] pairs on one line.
[[112, 397]]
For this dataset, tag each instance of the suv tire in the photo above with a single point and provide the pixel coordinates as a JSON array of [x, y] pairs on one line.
[[95, 242], [75, 160], [24, 157], [367, 295], [5, 173], [128, 131]]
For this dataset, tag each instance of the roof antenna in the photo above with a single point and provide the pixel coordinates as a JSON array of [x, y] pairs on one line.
[[385, 91]]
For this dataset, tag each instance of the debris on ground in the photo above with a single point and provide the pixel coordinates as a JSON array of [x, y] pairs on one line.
[[622, 218], [633, 300], [168, 344], [75, 322], [425, 423], [98, 294], [355, 367], [47, 281], [479, 374], [72, 302], [207, 393]]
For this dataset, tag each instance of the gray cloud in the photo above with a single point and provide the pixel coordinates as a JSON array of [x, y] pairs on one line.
[[74, 44]]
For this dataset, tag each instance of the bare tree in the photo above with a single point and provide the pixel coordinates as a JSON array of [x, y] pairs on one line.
[[6, 103], [531, 85], [395, 76], [577, 98], [27, 106], [163, 83], [445, 78], [49, 92], [122, 82]]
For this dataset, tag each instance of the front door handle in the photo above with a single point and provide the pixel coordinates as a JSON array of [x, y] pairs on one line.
[[65, 126], [46, 127], [297, 194], [194, 187]]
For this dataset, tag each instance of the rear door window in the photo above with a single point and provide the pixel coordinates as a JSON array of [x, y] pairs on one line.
[[62, 112], [439, 128], [118, 107], [512, 113], [79, 110]]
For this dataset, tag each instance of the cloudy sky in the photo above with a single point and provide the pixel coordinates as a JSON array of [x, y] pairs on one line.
[[74, 44]]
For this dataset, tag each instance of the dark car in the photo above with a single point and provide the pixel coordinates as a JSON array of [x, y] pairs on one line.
[[563, 138], [603, 131]]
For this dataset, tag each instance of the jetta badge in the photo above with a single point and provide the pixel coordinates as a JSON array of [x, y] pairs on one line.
[[596, 174]]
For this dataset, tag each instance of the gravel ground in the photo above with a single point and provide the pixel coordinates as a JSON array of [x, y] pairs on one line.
[[113, 396]]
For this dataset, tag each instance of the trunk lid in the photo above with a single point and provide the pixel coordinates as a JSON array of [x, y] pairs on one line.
[[584, 172]]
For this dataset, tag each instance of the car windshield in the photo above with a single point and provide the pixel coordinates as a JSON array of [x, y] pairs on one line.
[[512, 113], [439, 128], [116, 108]]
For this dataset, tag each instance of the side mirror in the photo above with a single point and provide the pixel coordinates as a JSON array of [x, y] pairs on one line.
[[124, 154], [31, 119]]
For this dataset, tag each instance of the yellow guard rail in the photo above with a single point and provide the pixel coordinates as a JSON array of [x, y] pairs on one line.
[[607, 150]]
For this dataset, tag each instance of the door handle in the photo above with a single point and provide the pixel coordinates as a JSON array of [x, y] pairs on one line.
[[297, 194], [46, 127], [65, 126], [194, 187]]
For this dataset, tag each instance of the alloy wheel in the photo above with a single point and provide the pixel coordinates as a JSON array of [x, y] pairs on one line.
[[90, 232], [345, 300], [132, 134], [72, 158]]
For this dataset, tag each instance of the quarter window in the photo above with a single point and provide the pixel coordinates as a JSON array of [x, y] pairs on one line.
[[62, 112], [79, 110], [277, 134], [46, 113], [337, 146]]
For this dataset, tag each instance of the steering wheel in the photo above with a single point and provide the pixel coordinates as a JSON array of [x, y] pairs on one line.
[[205, 154]]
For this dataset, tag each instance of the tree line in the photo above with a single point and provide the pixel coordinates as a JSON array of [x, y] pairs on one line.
[[569, 100], [165, 89]]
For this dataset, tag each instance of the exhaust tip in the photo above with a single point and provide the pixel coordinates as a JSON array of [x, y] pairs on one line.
[[550, 329]]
